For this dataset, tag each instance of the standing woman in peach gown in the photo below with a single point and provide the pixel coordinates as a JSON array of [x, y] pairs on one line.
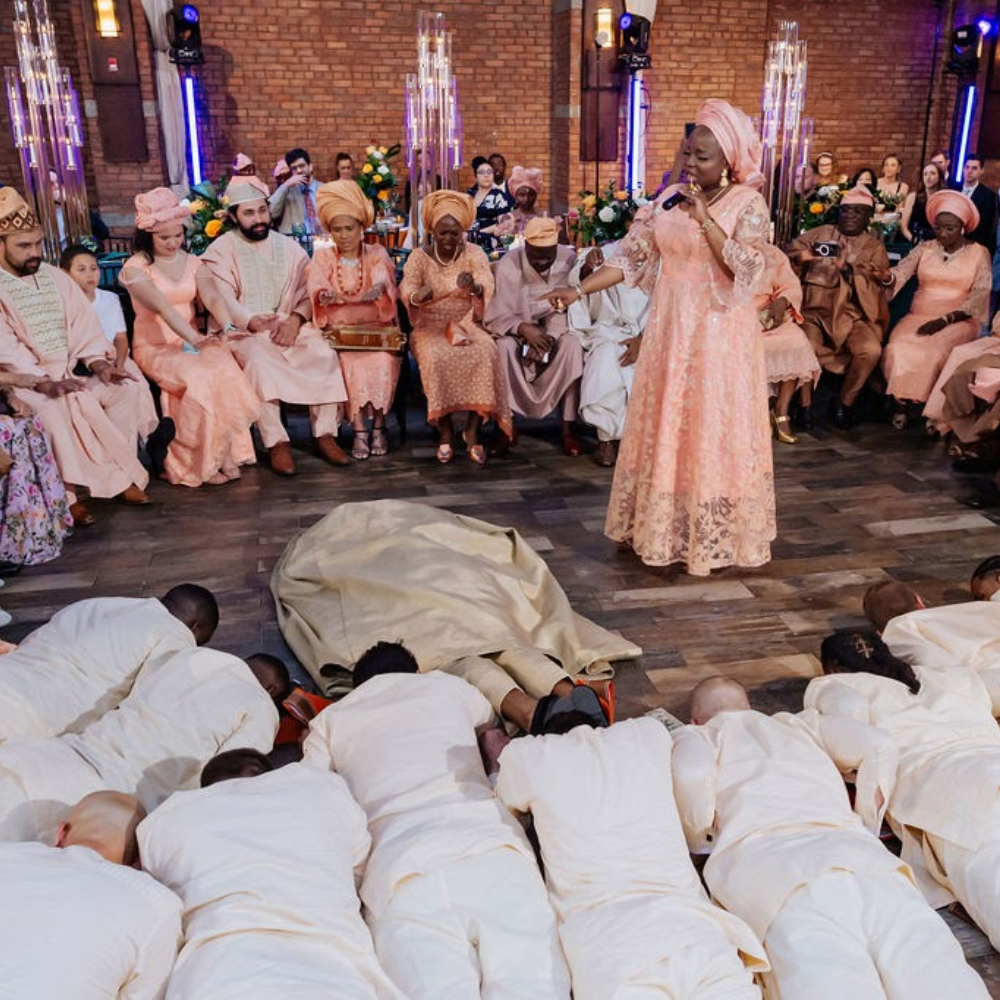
[[354, 284], [203, 389], [694, 481]]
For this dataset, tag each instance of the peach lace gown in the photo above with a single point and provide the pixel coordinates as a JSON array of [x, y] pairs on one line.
[[206, 394], [956, 283], [694, 481], [370, 376], [456, 378]]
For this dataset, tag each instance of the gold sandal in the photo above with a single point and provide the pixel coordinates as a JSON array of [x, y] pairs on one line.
[[780, 427]]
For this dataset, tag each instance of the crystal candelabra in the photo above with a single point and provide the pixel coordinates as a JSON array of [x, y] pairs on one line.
[[433, 125], [47, 129], [785, 133]]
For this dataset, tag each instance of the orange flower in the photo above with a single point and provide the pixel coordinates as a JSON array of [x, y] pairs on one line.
[[621, 195], [815, 208], [383, 195], [212, 228]]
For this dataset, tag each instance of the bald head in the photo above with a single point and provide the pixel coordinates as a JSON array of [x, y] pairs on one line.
[[195, 607], [105, 822], [889, 599], [715, 695]]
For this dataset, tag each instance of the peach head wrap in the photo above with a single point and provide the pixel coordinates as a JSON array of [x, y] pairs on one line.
[[241, 190], [541, 232], [16, 215], [457, 204], [859, 195], [343, 198], [525, 177], [158, 208], [955, 203], [737, 138]]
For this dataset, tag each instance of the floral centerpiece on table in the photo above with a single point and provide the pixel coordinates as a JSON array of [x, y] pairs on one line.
[[377, 178], [605, 216], [821, 208], [209, 215]]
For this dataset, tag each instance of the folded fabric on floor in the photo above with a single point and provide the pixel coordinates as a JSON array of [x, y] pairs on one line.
[[445, 585]]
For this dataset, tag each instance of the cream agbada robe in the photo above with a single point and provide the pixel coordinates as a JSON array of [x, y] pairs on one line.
[[629, 901], [81, 663], [266, 870], [78, 927]]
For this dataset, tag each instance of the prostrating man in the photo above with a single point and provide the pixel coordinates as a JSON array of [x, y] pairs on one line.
[[609, 325], [265, 864], [542, 357], [634, 919], [844, 272], [984, 198], [181, 712], [454, 898], [262, 276], [93, 412], [77, 920], [839, 915], [946, 805], [293, 204], [82, 662]]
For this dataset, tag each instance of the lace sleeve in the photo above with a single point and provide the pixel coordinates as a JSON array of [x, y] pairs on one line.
[[743, 252], [637, 256], [907, 268], [977, 303]]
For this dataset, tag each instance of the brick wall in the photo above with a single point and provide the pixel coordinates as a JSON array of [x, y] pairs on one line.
[[331, 76]]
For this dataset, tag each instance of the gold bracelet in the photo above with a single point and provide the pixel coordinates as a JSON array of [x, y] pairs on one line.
[[707, 226]]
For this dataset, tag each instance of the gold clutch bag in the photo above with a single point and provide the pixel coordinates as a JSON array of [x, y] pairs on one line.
[[366, 338]]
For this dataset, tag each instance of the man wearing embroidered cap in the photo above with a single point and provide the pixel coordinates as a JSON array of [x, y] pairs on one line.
[[49, 330], [542, 358], [844, 272], [262, 275]]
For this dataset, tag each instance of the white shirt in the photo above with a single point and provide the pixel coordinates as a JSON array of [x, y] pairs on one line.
[[73, 925], [108, 307], [406, 745], [271, 859], [81, 663]]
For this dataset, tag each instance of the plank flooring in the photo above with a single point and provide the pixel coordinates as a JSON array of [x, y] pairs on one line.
[[854, 508]]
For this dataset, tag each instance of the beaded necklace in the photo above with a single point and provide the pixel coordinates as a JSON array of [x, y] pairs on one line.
[[356, 267]]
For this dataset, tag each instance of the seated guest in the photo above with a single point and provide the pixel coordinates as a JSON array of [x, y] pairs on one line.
[[913, 224], [281, 173], [262, 278], [542, 358], [449, 866], [946, 804], [36, 511], [293, 205], [499, 164], [788, 356], [890, 182], [78, 920], [82, 662], [633, 918], [344, 166], [354, 284], [181, 711], [789, 856], [984, 198], [265, 864], [609, 325], [49, 330], [844, 306], [243, 166], [202, 389], [446, 288], [865, 177], [950, 306], [492, 200], [525, 186], [827, 172]]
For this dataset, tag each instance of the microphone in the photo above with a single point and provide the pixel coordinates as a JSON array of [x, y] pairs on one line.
[[672, 202]]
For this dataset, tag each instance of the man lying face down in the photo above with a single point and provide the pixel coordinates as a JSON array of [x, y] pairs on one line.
[[451, 874], [82, 662], [77, 920], [265, 863]]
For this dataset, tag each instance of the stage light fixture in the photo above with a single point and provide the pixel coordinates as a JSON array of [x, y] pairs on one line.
[[966, 47], [633, 41], [184, 32], [986, 26]]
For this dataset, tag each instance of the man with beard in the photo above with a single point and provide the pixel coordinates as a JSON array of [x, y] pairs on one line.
[[51, 338], [844, 271], [542, 358], [262, 276]]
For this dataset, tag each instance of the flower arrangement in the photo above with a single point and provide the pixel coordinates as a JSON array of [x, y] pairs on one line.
[[209, 215], [605, 216], [821, 208], [376, 178]]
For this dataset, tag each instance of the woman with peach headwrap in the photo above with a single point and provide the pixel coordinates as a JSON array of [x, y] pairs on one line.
[[202, 388], [950, 306], [354, 284], [525, 184], [446, 288], [694, 481]]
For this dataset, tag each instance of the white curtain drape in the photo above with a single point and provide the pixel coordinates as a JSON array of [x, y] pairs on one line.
[[169, 97]]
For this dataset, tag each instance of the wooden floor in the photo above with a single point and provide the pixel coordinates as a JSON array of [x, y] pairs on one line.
[[853, 508]]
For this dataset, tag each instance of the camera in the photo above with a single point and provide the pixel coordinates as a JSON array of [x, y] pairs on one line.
[[826, 249]]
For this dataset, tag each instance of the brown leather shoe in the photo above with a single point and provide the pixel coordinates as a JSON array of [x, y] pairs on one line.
[[82, 518], [328, 449], [136, 496], [607, 454], [282, 463]]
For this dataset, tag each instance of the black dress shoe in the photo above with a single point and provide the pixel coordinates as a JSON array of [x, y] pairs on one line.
[[984, 500], [843, 416], [803, 418], [973, 465]]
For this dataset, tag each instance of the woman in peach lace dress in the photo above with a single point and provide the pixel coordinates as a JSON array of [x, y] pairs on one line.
[[694, 481]]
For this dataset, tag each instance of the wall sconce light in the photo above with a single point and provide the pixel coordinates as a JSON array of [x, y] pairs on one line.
[[106, 19], [603, 26]]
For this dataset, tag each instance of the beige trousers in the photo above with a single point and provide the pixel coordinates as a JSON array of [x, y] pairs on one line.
[[526, 669], [324, 418]]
